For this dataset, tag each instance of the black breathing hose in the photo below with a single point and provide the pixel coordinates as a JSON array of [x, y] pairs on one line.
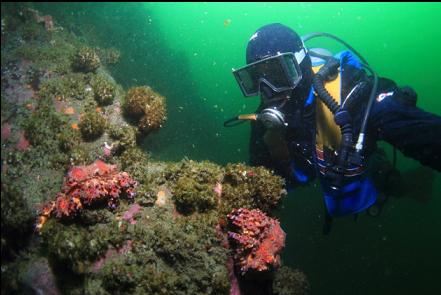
[[233, 122], [359, 145], [325, 74], [365, 64], [318, 81], [320, 34]]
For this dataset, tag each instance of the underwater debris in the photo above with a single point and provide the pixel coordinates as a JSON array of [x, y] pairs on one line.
[[256, 239], [86, 185]]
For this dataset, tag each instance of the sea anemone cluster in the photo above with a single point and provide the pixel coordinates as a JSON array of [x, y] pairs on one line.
[[192, 184], [124, 136], [251, 187], [92, 125], [146, 107], [86, 185], [112, 56], [86, 60], [256, 239], [104, 90]]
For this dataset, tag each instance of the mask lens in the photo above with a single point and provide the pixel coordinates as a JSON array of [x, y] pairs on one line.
[[292, 68], [280, 73], [272, 72], [246, 81]]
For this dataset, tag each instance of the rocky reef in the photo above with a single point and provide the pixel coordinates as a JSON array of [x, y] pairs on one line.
[[85, 210]]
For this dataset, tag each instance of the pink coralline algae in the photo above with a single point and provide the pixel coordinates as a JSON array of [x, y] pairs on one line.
[[218, 189], [22, 144], [6, 131], [234, 282], [256, 240], [107, 149], [129, 215], [110, 254], [86, 185]]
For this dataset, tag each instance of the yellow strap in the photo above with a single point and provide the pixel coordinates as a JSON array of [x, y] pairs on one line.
[[328, 132], [247, 117]]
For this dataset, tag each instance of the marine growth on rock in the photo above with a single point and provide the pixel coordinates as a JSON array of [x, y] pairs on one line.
[[146, 107], [86, 60]]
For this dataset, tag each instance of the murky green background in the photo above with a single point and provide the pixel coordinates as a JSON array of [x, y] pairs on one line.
[[186, 52]]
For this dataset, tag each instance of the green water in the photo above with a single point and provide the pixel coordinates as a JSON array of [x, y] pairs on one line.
[[186, 52]]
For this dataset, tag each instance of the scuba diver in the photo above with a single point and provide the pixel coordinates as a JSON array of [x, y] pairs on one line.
[[321, 116]]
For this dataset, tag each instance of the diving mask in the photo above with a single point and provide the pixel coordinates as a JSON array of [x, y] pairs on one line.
[[280, 72]]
